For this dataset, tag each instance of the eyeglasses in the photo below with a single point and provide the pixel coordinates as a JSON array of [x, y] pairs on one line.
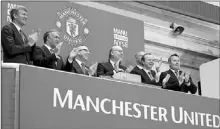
[[121, 51]]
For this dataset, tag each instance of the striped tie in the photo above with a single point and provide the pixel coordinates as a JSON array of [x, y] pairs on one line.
[[22, 35]]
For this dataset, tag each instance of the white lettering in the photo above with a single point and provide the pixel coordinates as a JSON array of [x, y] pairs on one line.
[[153, 113], [137, 110], [127, 109], [114, 107], [102, 105], [69, 96], [90, 102], [145, 110], [202, 120], [208, 120], [216, 118], [162, 114], [187, 117], [174, 115], [79, 102]]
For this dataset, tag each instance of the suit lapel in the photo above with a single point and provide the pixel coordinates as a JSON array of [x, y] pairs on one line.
[[77, 67], [17, 33], [172, 75], [145, 76], [47, 53], [109, 65]]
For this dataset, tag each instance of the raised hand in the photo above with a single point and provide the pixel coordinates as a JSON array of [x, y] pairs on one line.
[[187, 76], [73, 53], [181, 78], [159, 65], [58, 48], [32, 38], [93, 68], [129, 69], [157, 77]]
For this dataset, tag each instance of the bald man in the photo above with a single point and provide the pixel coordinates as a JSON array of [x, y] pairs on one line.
[[113, 65]]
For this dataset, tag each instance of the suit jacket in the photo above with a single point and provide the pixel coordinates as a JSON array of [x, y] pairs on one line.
[[106, 69], [144, 76], [173, 83], [15, 50], [75, 67], [43, 58]]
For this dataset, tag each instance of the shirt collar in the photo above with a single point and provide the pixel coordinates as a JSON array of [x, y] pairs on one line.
[[48, 47], [174, 71], [113, 63], [140, 67], [79, 62], [146, 70], [17, 27]]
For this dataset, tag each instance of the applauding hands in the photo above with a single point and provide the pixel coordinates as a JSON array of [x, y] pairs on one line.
[[32, 38]]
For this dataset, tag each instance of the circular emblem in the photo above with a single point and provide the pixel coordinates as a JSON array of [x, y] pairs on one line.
[[73, 26]]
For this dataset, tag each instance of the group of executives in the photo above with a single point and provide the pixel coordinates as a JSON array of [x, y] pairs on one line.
[[18, 48]]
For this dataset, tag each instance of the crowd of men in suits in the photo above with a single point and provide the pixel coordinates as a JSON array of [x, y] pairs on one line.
[[18, 48]]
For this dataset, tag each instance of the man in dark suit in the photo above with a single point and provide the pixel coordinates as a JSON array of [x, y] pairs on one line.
[[17, 47], [77, 59], [175, 79], [138, 68], [48, 55], [148, 76], [113, 65]]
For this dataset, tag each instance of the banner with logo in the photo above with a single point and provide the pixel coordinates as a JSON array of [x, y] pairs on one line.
[[79, 24], [52, 99]]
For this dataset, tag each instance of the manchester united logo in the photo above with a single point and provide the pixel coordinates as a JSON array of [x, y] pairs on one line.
[[73, 25]]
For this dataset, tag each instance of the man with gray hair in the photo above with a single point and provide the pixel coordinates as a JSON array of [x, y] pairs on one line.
[[77, 60], [48, 55], [17, 47], [138, 68]]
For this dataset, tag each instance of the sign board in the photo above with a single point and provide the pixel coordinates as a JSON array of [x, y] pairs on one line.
[[51, 99]]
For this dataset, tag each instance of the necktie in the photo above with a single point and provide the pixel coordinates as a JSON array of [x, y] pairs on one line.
[[83, 68], [115, 67], [177, 75], [150, 75], [22, 35]]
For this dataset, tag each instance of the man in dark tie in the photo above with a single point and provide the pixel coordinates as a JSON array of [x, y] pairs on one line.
[[77, 60], [113, 65], [148, 76], [48, 55], [138, 68], [17, 47], [175, 79]]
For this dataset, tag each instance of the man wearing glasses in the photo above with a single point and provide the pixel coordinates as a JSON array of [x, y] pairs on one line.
[[77, 59]]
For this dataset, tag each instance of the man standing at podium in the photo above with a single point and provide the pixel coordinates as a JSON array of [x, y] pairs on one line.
[[17, 48], [113, 65], [175, 79]]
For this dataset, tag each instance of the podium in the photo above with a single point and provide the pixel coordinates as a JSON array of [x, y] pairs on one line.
[[209, 76]]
